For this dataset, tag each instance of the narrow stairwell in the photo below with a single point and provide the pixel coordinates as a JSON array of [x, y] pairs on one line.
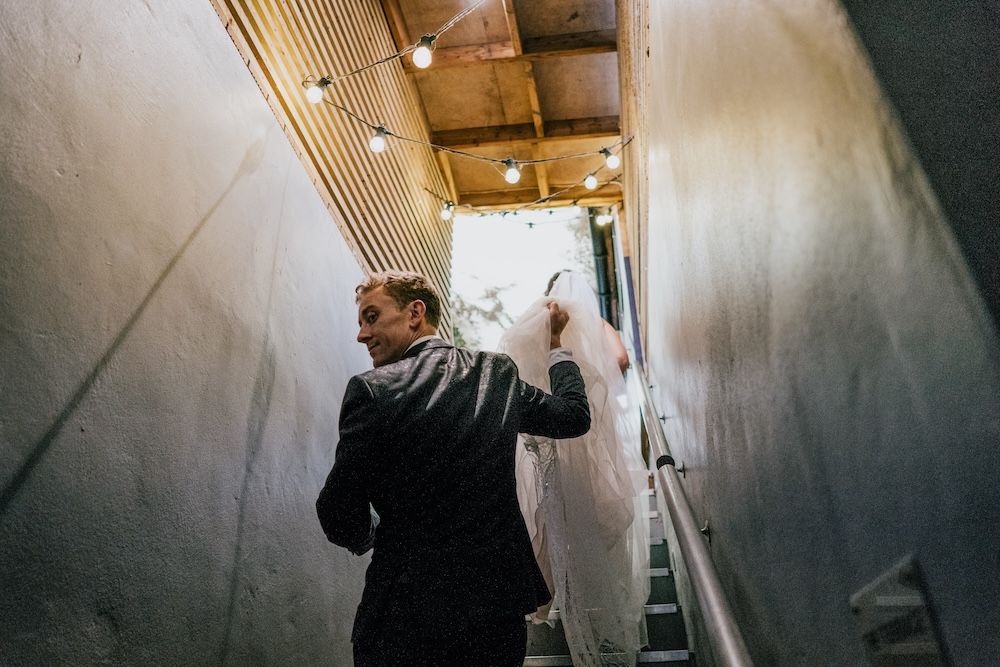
[[664, 619]]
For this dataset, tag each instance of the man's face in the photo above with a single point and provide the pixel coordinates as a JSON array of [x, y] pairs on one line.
[[385, 327]]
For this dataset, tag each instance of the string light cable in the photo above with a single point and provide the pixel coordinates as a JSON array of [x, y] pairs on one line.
[[448, 206], [554, 195], [315, 87], [508, 163]]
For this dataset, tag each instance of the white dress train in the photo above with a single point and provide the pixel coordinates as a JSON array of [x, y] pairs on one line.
[[581, 498]]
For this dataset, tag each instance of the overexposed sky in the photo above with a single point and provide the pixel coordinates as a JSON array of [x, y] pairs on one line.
[[504, 251]]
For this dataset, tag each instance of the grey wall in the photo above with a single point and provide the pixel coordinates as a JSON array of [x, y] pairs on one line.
[[176, 330], [827, 365], [939, 64]]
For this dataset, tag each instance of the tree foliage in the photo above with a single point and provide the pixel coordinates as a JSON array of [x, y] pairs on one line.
[[469, 316]]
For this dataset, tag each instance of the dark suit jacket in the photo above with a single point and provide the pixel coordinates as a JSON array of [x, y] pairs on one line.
[[428, 442]]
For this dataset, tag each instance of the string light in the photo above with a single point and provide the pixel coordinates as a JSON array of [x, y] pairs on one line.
[[448, 207], [422, 54], [603, 220], [513, 174], [310, 82], [446, 212], [314, 93], [512, 166], [377, 142], [610, 159]]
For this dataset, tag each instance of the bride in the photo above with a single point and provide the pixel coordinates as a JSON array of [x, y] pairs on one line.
[[581, 497]]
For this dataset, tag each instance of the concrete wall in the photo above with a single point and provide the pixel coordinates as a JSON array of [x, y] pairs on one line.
[[939, 64], [828, 368], [176, 330]]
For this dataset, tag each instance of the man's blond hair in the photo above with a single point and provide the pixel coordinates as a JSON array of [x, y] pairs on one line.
[[405, 287]]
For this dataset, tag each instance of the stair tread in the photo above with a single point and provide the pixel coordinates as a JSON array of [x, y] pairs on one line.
[[644, 657]]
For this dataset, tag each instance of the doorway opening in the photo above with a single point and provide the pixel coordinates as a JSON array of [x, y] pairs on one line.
[[502, 262]]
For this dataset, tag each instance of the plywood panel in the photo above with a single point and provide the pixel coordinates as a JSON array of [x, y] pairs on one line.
[[566, 172], [476, 176], [485, 24], [475, 96], [558, 17], [578, 86]]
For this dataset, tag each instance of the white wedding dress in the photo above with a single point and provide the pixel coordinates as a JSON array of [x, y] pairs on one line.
[[581, 497]]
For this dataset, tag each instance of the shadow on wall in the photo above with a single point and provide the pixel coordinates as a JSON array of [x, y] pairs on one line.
[[260, 407], [251, 161]]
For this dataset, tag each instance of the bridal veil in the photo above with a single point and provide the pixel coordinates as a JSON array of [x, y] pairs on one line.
[[581, 498]]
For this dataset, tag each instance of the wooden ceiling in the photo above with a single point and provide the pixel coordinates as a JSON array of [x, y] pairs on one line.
[[518, 79]]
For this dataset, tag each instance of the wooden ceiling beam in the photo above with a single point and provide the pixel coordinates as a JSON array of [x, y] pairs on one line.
[[484, 136], [486, 204], [571, 44], [499, 198], [536, 107], [449, 177], [541, 170], [604, 194], [512, 28], [397, 24], [579, 128], [521, 133]]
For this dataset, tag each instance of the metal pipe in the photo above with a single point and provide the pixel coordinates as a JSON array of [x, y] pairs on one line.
[[720, 623]]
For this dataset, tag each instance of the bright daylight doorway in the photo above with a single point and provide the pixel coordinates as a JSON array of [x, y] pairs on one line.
[[501, 263]]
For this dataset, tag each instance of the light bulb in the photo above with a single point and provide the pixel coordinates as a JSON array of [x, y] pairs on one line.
[[377, 142], [610, 159], [513, 175], [603, 220], [575, 210], [314, 94], [422, 55], [590, 181], [446, 211]]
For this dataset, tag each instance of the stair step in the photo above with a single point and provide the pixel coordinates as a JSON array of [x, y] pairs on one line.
[[661, 608], [666, 632], [644, 657], [655, 608], [659, 555], [547, 660], [663, 618], [662, 589], [664, 656]]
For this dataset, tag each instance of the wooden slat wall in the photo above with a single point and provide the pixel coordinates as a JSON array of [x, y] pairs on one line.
[[378, 200], [633, 77]]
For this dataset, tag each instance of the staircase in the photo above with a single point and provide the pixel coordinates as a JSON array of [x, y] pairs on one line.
[[667, 637]]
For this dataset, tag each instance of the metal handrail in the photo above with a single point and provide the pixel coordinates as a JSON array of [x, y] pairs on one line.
[[720, 623]]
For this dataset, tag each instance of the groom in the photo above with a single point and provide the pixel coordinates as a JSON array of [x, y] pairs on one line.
[[424, 473]]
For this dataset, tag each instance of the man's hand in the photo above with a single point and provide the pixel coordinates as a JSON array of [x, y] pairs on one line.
[[558, 319]]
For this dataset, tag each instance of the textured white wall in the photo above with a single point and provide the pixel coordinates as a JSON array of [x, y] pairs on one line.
[[829, 372], [176, 330]]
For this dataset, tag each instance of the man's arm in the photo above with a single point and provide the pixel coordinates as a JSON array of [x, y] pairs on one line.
[[343, 505], [566, 413], [563, 414]]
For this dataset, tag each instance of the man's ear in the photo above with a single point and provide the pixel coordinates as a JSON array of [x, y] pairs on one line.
[[418, 309]]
